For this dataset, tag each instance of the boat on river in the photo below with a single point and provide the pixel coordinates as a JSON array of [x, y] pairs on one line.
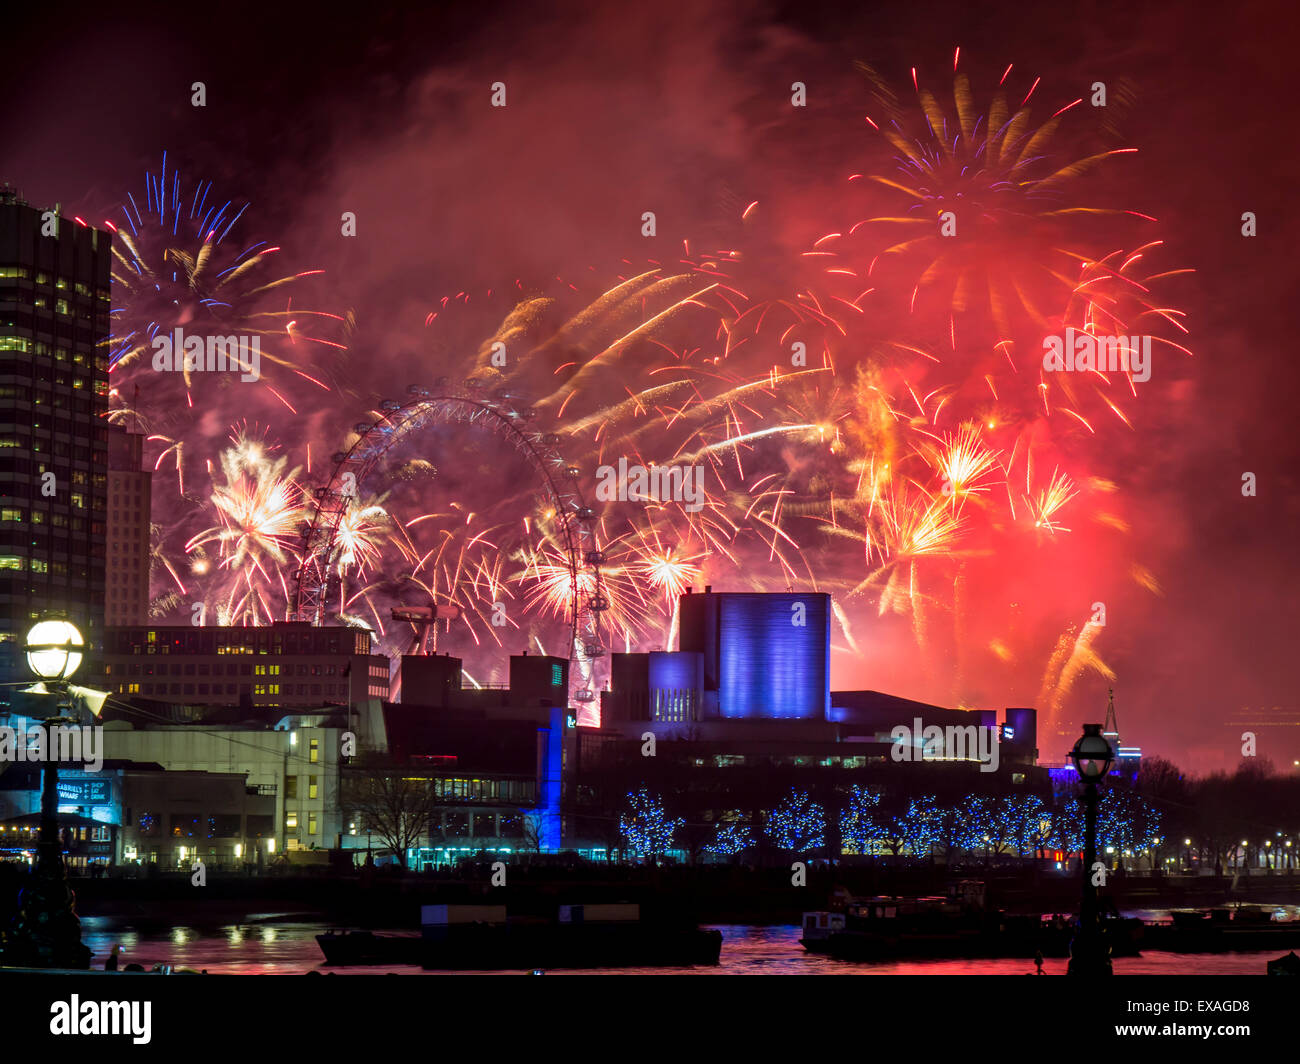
[[345, 948], [1288, 965], [1223, 930], [958, 925], [484, 938]]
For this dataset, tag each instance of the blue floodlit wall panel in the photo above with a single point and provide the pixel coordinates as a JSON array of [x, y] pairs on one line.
[[768, 665], [552, 775], [676, 671]]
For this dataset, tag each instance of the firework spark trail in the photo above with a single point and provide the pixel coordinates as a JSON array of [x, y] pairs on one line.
[[362, 530], [962, 460], [177, 265], [261, 509], [549, 584], [671, 576], [160, 284], [871, 471], [1074, 654], [1044, 506], [1024, 264]]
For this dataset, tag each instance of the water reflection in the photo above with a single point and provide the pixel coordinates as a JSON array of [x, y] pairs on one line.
[[291, 948]]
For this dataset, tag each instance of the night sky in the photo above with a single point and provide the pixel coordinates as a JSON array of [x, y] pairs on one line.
[[685, 109]]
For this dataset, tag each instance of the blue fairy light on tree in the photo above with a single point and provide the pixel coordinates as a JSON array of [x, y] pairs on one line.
[[646, 828], [798, 824]]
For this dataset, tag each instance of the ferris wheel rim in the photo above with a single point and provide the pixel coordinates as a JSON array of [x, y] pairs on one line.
[[312, 580]]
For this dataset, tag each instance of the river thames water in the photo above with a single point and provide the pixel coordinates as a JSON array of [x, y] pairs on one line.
[[272, 947]]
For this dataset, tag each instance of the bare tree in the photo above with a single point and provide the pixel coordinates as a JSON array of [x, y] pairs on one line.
[[534, 830], [393, 804]]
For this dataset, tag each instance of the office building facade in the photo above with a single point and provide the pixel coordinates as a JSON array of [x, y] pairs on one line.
[[267, 670], [54, 326]]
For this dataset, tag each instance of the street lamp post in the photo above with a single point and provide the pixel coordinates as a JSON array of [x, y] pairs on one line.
[[46, 931], [1092, 756]]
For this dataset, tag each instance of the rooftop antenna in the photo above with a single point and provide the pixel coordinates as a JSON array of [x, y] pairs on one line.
[[1111, 728]]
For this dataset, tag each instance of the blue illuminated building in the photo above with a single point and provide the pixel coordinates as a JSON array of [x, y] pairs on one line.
[[742, 713], [763, 656], [756, 667]]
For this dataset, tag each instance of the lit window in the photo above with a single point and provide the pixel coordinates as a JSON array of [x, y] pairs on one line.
[[311, 789], [291, 820], [314, 755]]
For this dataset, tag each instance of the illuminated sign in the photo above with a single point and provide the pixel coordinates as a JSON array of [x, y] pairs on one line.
[[84, 792]]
